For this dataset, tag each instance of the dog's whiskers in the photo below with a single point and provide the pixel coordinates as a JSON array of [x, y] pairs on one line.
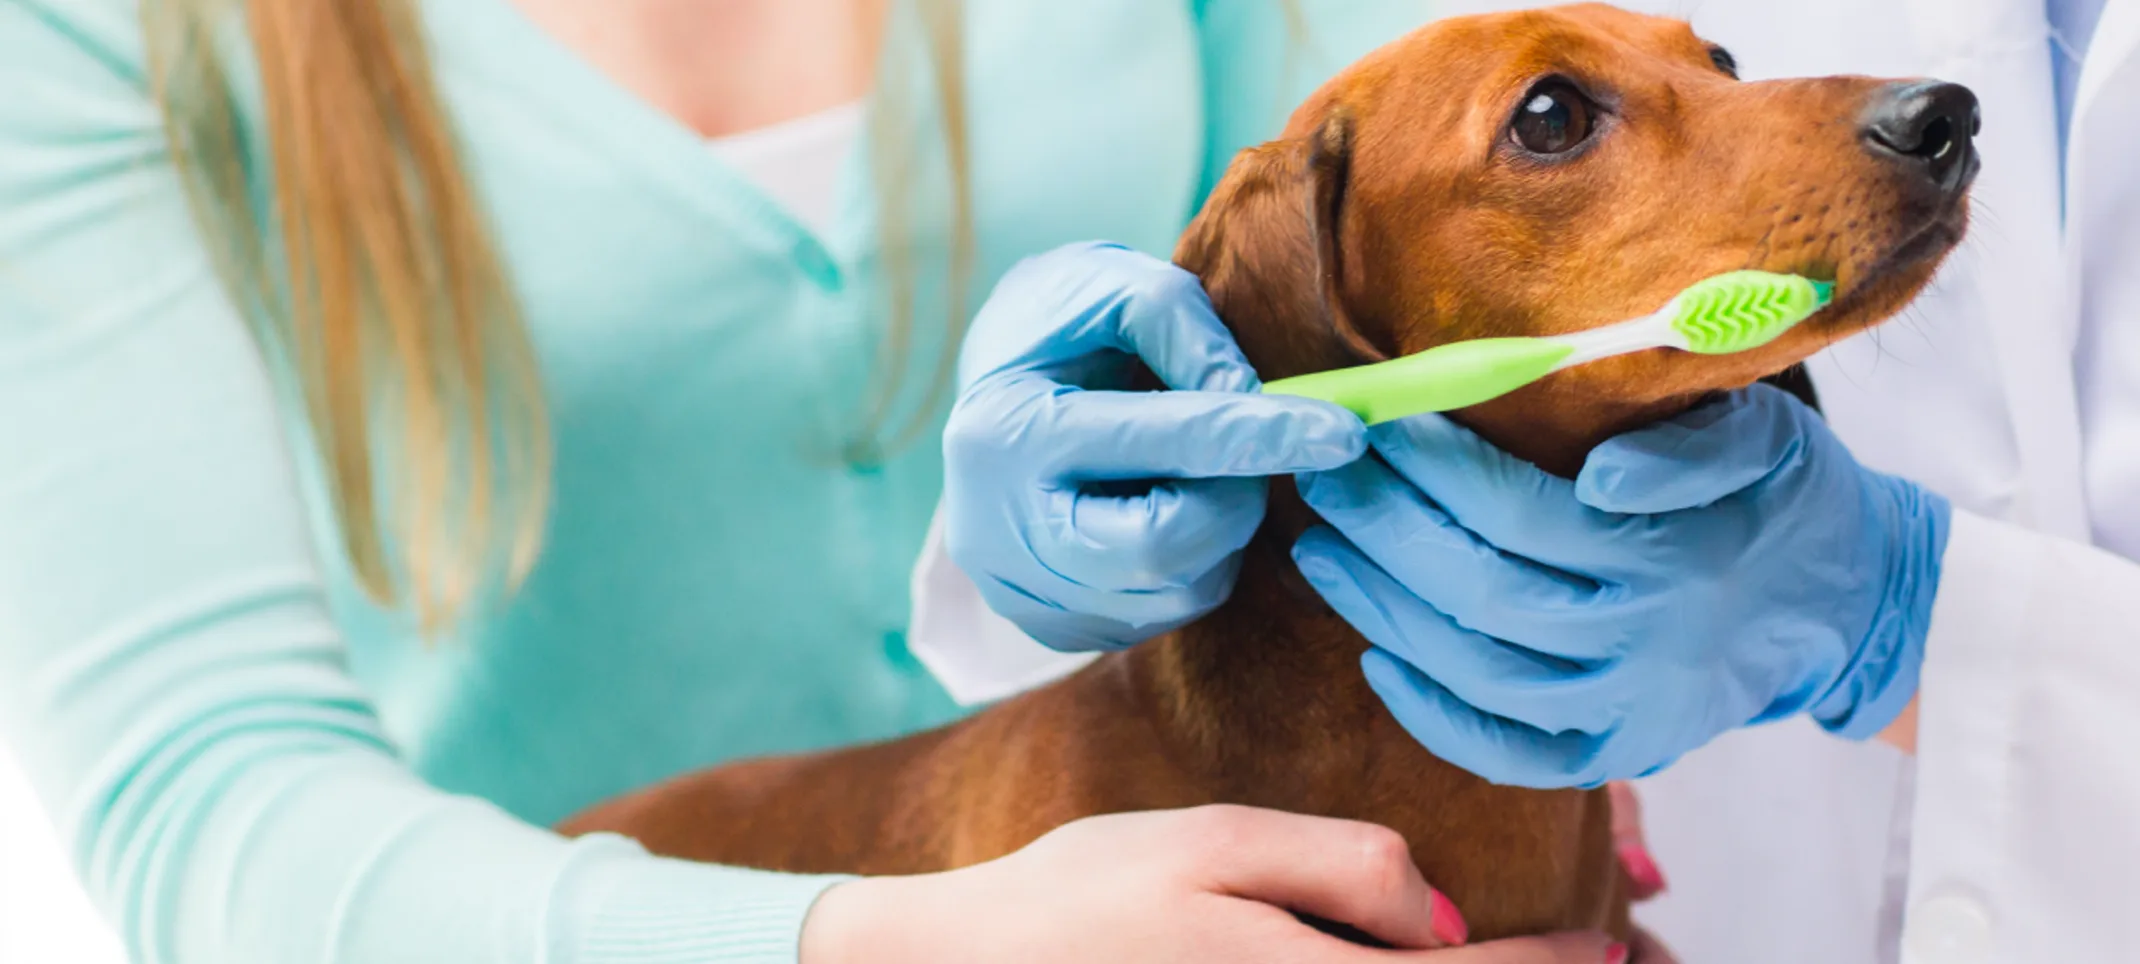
[[1983, 218]]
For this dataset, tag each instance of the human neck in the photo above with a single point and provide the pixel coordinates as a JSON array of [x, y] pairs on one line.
[[724, 68]]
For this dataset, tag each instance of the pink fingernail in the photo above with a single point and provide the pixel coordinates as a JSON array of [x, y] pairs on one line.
[[1446, 922], [1642, 869], [1616, 954]]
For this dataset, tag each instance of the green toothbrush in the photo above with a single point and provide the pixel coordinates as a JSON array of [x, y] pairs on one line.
[[1717, 316]]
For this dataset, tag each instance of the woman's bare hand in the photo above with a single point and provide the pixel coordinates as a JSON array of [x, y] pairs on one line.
[[1211, 884], [1645, 879]]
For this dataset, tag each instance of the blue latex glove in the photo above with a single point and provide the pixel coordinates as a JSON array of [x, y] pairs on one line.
[[1733, 566], [1049, 493]]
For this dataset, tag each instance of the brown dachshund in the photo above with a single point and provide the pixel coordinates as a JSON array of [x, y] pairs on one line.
[[1515, 174]]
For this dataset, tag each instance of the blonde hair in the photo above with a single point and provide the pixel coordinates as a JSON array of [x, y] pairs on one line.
[[392, 306]]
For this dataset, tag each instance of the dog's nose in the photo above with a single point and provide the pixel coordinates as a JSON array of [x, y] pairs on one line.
[[1929, 125]]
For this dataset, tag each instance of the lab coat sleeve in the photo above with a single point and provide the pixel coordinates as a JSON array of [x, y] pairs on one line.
[[169, 674], [2027, 823]]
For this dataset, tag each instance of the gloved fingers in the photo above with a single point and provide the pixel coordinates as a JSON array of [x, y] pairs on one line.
[[1049, 622], [1477, 585], [1132, 619], [1144, 615], [1097, 436], [1500, 750], [1095, 297], [1166, 537], [1054, 307], [1075, 618], [1538, 691], [1511, 504], [1152, 309], [1700, 457], [1067, 632], [1169, 324]]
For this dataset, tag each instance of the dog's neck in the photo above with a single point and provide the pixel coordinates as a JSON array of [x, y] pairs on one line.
[[1272, 682], [1555, 427], [1272, 679]]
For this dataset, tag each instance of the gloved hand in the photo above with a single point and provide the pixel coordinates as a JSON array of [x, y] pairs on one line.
[[1092, 517], [1733, 566]]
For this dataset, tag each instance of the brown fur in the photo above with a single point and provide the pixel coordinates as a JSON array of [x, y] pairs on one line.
[[1393, 215]]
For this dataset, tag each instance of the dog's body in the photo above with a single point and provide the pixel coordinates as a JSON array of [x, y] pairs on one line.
[[1260, 704], [1401, 210]]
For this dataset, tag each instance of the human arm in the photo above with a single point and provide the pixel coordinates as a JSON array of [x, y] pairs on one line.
[[2022, 682], [1256, 62], [2022, 836], [180, 694], [968, 644], [1988, 561], [2026, 795], [169, 673]]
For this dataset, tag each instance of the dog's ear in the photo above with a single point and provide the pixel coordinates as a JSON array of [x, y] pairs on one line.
[[1270, 248]]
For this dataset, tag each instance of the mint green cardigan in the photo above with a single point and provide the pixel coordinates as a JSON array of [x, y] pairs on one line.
[[251, 764]]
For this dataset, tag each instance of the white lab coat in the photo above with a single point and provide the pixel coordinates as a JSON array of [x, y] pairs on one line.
[[2013, 387]]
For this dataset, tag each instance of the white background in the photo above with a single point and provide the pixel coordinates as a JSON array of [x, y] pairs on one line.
[[44, 916]]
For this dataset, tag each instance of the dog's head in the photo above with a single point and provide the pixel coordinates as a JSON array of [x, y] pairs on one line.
[[1555, 170]]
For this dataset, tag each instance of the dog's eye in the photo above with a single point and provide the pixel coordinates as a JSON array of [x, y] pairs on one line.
[[1724, 61], [1554, 119]]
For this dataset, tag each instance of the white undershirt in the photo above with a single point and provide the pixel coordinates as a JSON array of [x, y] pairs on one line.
[[798, 162]]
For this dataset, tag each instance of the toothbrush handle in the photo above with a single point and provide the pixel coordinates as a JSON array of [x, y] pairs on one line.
[[1440, 379]]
